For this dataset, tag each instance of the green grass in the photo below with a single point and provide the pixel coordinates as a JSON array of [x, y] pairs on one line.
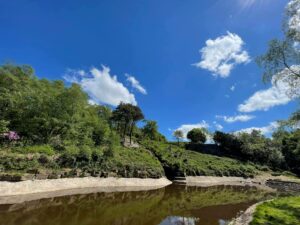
[[134, 163], [122, 162], [281, 211], [198, 164]]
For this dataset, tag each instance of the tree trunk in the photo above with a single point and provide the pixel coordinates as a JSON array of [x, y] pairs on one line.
[[124, 133], [131, 130]]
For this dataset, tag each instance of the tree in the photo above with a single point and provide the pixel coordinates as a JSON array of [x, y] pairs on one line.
[[150, 130], [197, 135], [48, 112], [291, 151], [229, 144], [178, 134], [125, 117], [281, 61]]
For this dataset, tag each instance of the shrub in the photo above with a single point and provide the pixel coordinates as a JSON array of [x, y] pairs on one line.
[[68, 157], [84, 154]]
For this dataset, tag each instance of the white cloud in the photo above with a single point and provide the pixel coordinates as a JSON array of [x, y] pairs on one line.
[[238, 118], [293, 8], [136, 84], [218, 126], [283, 90], [221, 55], [267, 130], [232, 88], [185, 128], [101, 86], [92, 102]]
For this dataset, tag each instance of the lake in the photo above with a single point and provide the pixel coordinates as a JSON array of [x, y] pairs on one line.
[[172, 205]]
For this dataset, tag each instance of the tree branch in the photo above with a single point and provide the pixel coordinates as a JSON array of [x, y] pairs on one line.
[[288, 67]]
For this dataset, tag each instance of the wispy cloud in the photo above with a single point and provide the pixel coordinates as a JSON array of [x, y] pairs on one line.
[[221, 55], [101, 86], [135, 84], [238, 118]]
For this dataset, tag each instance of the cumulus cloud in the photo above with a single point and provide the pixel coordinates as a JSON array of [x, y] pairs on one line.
[[185, 128], [283, 90], [101, 86], [221, 55], [238, 118], [136, 84], [232, 88], [267, 130]]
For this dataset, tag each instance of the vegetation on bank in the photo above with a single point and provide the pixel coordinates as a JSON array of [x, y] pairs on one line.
[[49, 128], [179, 161], [283, 211]]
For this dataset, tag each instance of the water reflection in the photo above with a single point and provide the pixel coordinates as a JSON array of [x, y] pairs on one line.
[[167, 206], [178, 220]]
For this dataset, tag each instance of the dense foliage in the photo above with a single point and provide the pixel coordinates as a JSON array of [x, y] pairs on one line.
[[196, 135], [253, 147], [47, 126], [178, 162]]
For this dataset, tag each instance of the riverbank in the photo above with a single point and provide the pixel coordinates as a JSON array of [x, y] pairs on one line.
[[246, 217], [283, 210], [263, 180], [18, 192]]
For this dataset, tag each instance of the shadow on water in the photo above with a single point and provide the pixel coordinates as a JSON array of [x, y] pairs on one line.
[[173, 205]]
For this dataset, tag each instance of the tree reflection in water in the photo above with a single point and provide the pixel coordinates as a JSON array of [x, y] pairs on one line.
[[167, 206]]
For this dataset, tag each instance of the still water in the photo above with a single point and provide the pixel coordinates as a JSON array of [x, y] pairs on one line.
[[172, 205]]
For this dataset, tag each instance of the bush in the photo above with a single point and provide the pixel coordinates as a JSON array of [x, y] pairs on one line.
[[68, 157], [84, 154]]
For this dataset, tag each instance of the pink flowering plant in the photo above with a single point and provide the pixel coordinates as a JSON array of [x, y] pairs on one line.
[[11, 136]]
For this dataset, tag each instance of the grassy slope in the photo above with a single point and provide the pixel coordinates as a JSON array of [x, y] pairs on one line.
[[196, 164], [124, 163], [281, 211], [147, 161]]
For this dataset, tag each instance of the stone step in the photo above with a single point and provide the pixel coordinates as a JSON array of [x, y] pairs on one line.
[[179, 182], [179, 178]]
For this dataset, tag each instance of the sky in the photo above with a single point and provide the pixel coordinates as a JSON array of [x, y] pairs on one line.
[[187, 63]]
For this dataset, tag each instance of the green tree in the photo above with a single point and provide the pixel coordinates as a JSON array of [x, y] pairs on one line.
[[291, 151], [150, 130], [197, 135], [178, 134], [125, 117], [44, 111], [283, 56]]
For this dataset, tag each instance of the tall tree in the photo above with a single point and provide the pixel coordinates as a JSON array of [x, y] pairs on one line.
[[150, 130], [125, 117], [178, 134]]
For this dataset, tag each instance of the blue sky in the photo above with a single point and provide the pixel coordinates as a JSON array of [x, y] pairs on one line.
[[152, 46]]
